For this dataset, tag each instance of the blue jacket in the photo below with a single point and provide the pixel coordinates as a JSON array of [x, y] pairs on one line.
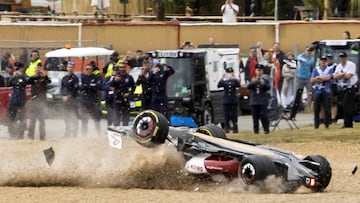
[[304, 68]]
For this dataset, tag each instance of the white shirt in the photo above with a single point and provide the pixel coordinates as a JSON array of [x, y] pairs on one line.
[[349, 67], [229, 15]]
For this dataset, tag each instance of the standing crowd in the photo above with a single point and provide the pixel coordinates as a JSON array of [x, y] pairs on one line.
[[82, 95], [274, 77]]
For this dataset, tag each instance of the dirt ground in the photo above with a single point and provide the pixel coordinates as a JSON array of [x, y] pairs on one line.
[[87, 170]]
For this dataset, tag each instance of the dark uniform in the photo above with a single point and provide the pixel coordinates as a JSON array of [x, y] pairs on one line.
[[122, 89], [39, 84], [159, 99], [143, 80], [69, 89], [230, 100], [108, 97], [16, 110], [90, 87], [259, 101]]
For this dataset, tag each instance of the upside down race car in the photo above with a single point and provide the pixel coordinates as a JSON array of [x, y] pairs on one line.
[[208, 151]]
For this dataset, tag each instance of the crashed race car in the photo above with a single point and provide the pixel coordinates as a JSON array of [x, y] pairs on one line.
[[207, 151]]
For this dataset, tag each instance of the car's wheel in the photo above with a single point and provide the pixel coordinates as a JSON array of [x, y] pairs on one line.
[[324, 171], [212, 130], [150, 127], [207, 117], [256, 168]]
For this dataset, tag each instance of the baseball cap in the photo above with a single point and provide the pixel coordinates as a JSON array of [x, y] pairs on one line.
[[342, 54], [229, 70], [323, 57], [330, 55], [259, 66]]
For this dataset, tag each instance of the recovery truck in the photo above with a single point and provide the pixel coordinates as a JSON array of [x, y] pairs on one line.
[[194, 98]]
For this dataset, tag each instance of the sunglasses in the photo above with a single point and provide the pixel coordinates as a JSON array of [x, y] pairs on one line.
[[70, 63]]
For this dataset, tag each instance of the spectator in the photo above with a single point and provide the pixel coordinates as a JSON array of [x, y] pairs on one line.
[[212, 41], [69, 92], [90, 87], [230, 100], [259, 86], [16, 110], [143, 80], [23, 58], [158, 80], [5, 63], [130, 59], [270, 73], [39, 85], [123, 87], [288, 73], [229, 11], [251, 64], [305, 65], [139, 58], [280, 56], [114, 61], [34, 62], [321, 80], [94, 68], [346, 35], [347, 78]]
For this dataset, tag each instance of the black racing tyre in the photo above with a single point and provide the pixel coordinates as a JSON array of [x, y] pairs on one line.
[[256, 168], [150, 127], [207, 115], [324, 171], [212, 130]]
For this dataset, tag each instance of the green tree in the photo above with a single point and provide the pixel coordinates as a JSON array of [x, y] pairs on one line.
[[283, 9], [354, 8]]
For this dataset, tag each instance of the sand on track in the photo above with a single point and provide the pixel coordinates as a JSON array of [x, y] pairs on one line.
[[87, 170]]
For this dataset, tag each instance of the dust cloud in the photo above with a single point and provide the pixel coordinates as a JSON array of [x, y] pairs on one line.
[[90, 162]]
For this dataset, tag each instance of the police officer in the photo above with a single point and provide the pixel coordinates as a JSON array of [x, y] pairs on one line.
[[321, 80], [230, 100], [90, 92], [69, 92], [347, 77], [16, 110], [158, 79], [34, 63], [143, 80], [259, 86], [39, 83], [123, 87], [108, 96]]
